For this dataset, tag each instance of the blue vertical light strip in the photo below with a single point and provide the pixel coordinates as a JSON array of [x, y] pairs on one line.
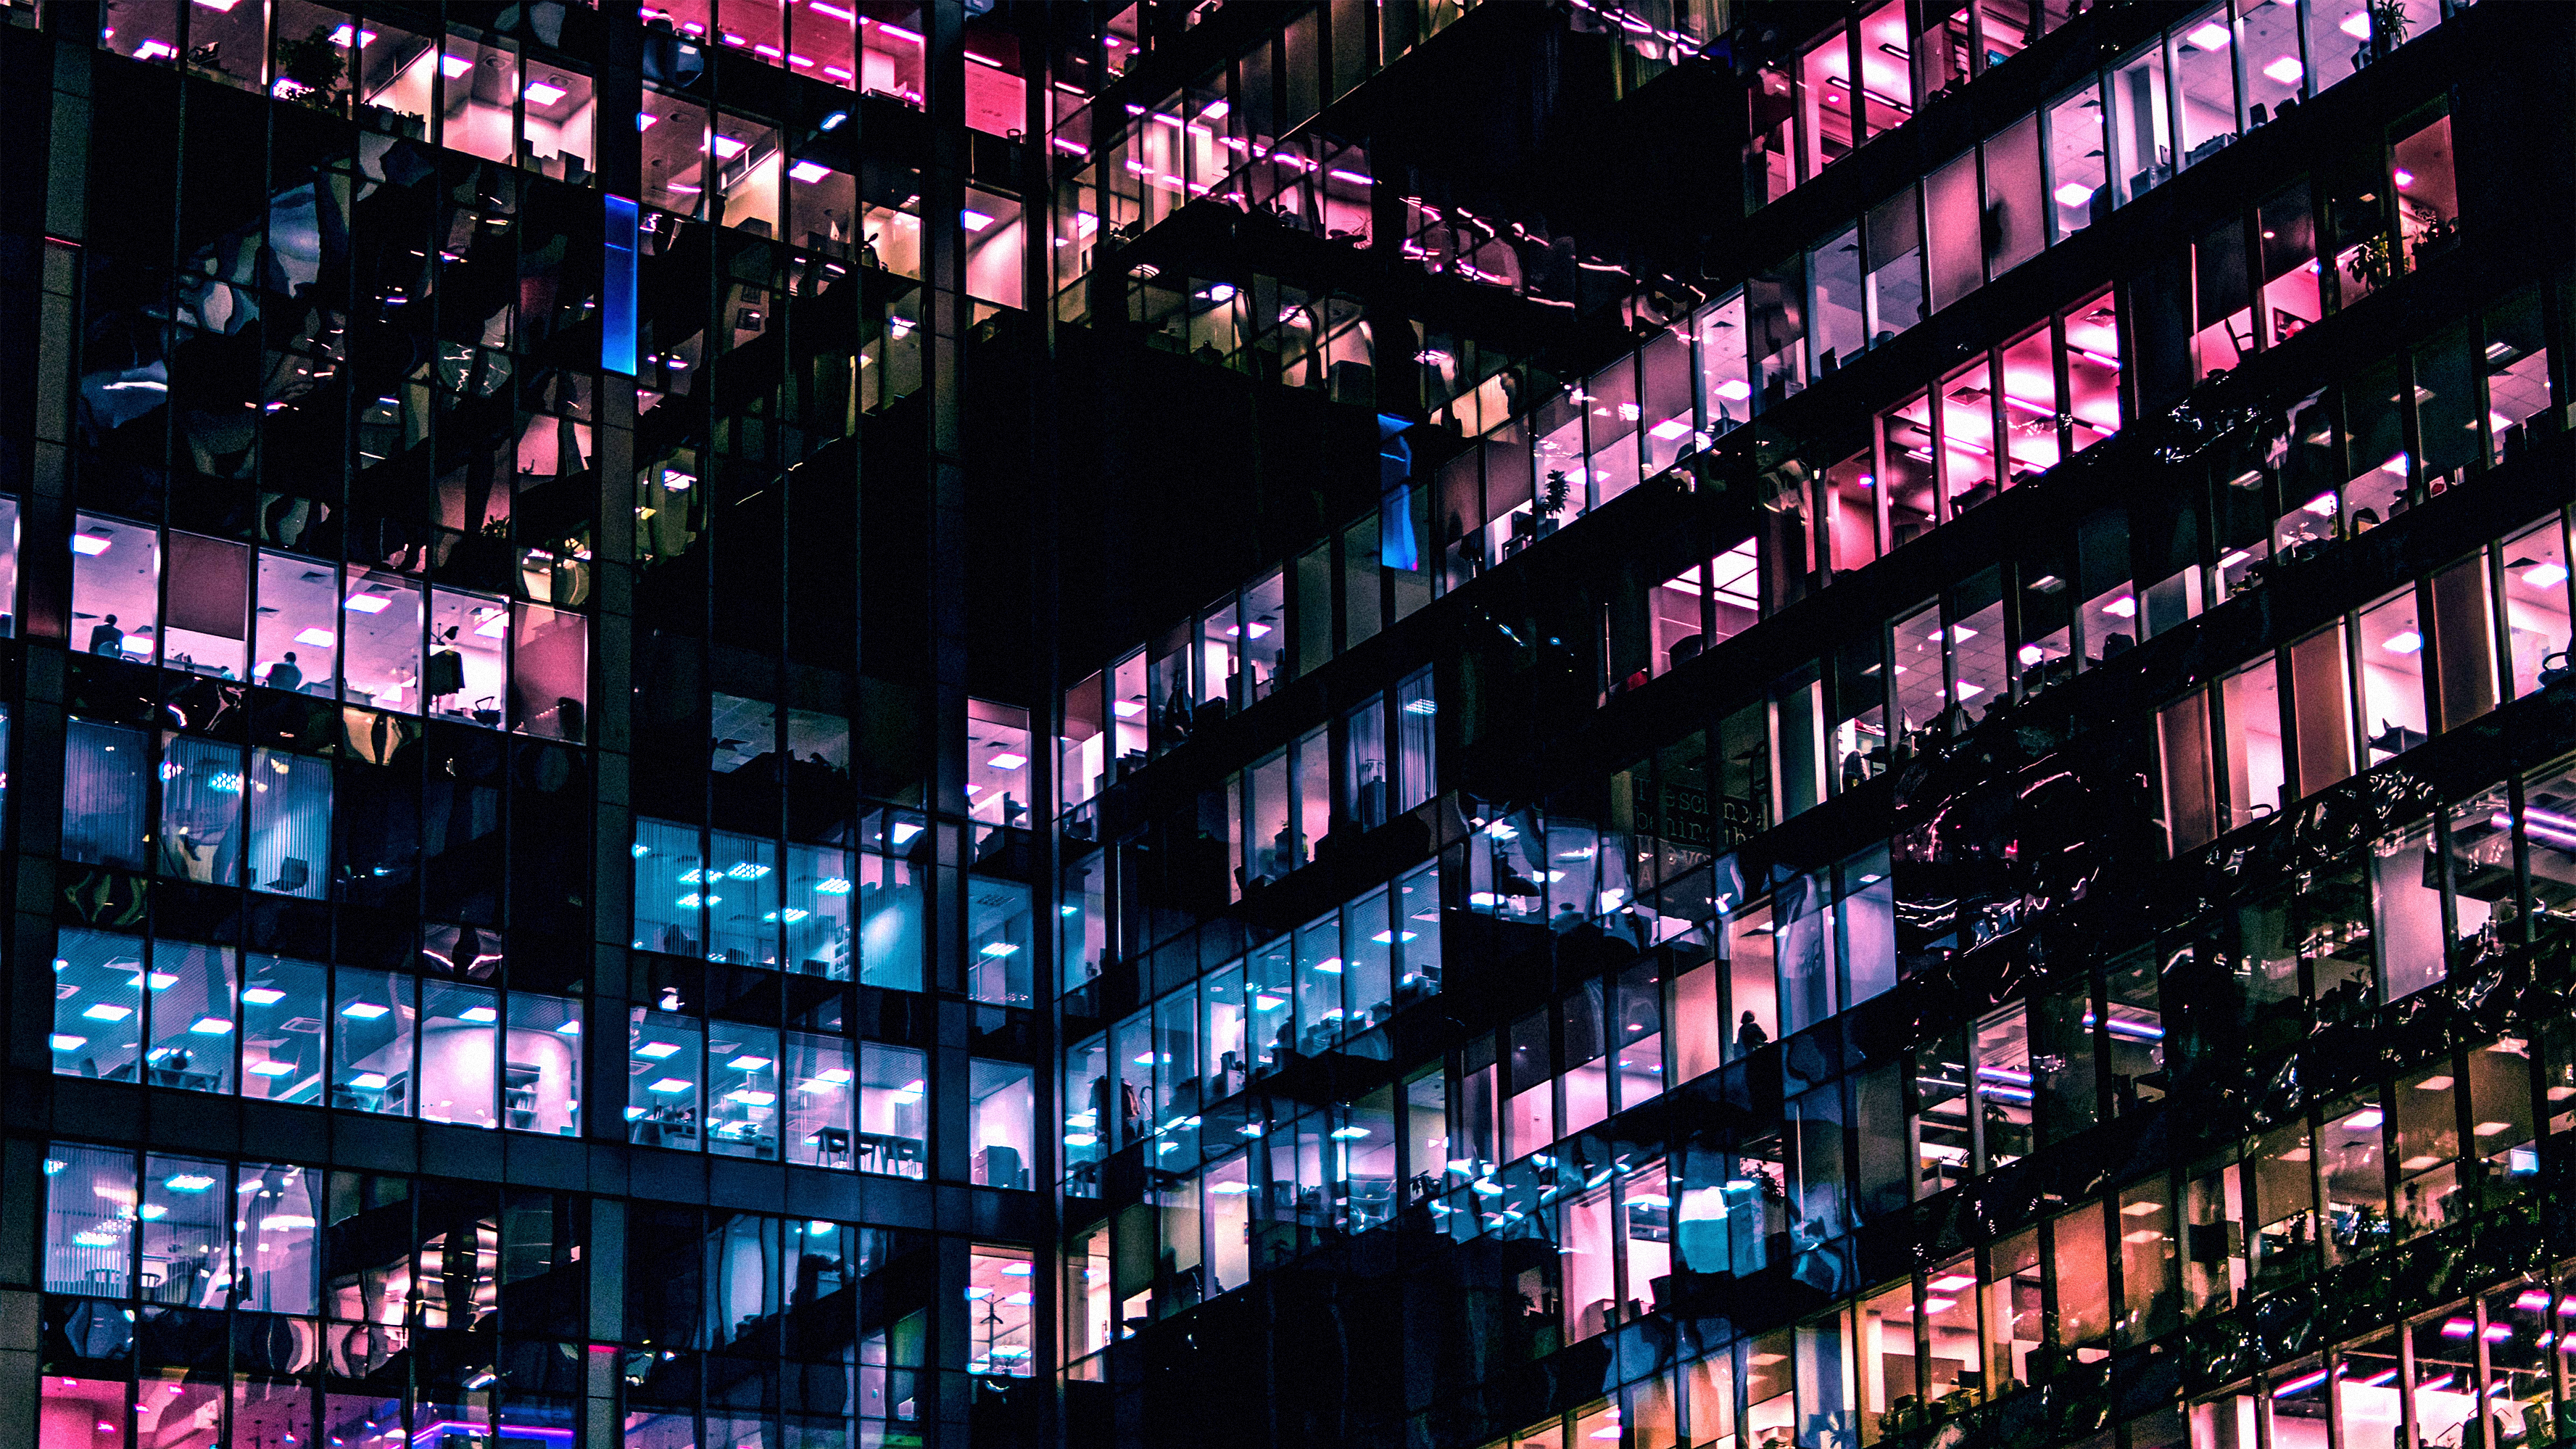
[[617, 333], [1397, 547]]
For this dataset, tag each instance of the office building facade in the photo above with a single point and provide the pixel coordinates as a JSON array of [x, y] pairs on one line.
[[1380, 722], [509, 960], [1904, 794]]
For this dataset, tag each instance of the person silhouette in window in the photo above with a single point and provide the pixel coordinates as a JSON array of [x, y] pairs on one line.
[[106, 638], [1749, 1034], [285, 673]]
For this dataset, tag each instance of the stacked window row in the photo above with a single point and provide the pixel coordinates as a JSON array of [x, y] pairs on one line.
[[1242, 133], [2001, 419], [1277, 1184], [2155, 112], [368, 1306], [2004, 417], [2314, 248], [452, 1045], [212, 1018], [1242, 648], [2407, 1157], [2321, 469], [804, 186], [476, 92], [352, 302], [2182, 96], [739, 1089], [2425, 659], [1162, 1075], [372, 637], [834, 912], [1807, 114], [1578, 451], [2481, 1369], [472, 92], [2379, 926], [328, 806]]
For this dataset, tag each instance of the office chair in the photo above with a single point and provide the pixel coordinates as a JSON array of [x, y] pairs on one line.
[[292, 875]]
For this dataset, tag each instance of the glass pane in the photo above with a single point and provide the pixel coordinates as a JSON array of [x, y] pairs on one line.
[[2093, 370], [1980, 661], [2338, 43], [1942, 52], [1001, 1122], [98, 1005], [184, 1237], [209, 592], [371, 1040], [890, 916], [466, 670], [1896, 295], [2406, 905], [2205, 79], [2392, 677], [1416, 741], [1272, 1027], [668, 871], [2141, 138], [822, 1093], [2289, 264], [1834, 277], [201, 810], [2016, 197], [549, 672], [1968, 436], [541, 1066], [664, 1057], [2535, 604], [998, 935], [276, 1216], [739, 888], [2077, 170], [742, 1091], [1369, 942], [2444, 1393], [2255, 764], [193, 1009], [2030, 406], [1725, 385], [1827, 113], [2270, 66], [1886, 88], [1174, 1047], [1922, 690], [290, 823], [817, 912], [297, 643], [892, 1111], [116, 587], [1319, 985], [459, 1024], [283, 1012], [1770, 122]]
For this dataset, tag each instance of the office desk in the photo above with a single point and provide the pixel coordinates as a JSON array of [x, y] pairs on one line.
[[883, 1153]]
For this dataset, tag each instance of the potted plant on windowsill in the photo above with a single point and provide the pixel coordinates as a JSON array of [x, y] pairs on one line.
[[2440, 235], [2374, 262], [312, 68], [2388, 26]]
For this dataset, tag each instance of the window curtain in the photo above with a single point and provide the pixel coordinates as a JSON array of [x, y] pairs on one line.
[[104, 796]]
